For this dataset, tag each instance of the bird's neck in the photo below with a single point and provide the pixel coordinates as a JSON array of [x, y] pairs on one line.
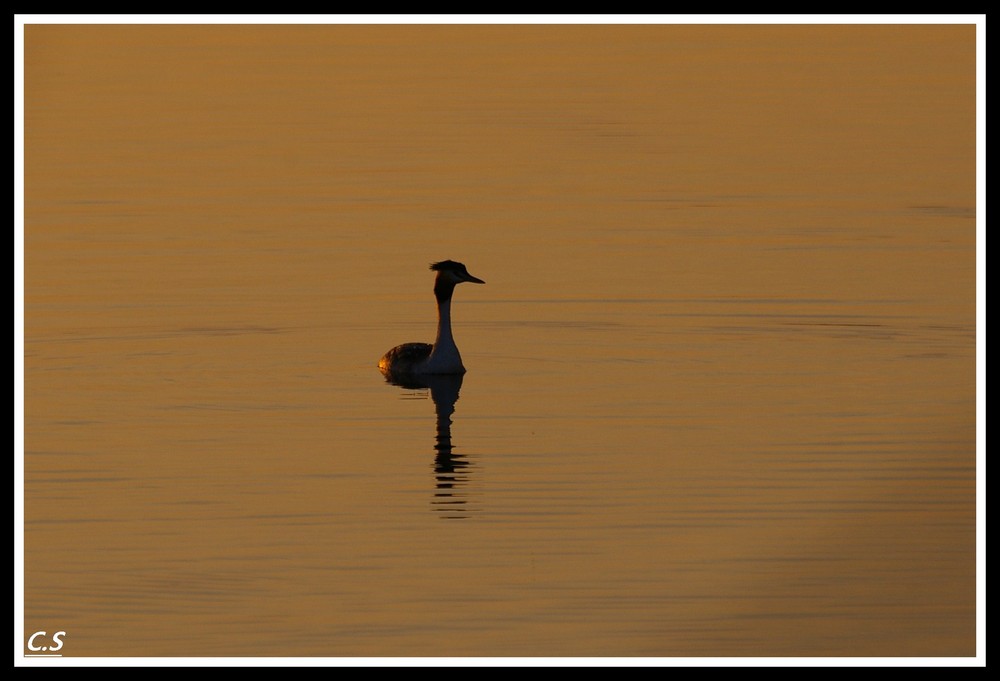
[[443, 289], [445, 357], [444, 338]]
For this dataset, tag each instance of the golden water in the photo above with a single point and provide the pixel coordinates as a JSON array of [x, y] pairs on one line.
[[721, 388]]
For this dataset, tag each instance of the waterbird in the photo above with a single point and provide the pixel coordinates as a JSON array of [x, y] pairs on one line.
[[442, 357]]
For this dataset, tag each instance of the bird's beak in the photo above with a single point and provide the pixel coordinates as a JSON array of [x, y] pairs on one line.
[[474, 280]]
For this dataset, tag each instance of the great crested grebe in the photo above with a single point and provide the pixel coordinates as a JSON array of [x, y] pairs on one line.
[[443, 356]]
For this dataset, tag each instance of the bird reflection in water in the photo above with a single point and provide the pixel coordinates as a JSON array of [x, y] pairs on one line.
[[451, 470]]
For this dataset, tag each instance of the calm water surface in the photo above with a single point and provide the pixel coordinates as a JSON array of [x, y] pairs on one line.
[[721, 387]]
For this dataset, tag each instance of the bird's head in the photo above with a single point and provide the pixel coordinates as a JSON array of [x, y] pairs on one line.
[[454, 272]]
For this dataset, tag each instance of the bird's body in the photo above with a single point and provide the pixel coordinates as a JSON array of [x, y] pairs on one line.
[[442, 357]]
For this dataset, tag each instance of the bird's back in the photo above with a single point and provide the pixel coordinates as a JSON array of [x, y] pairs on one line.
[[404, 358]]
